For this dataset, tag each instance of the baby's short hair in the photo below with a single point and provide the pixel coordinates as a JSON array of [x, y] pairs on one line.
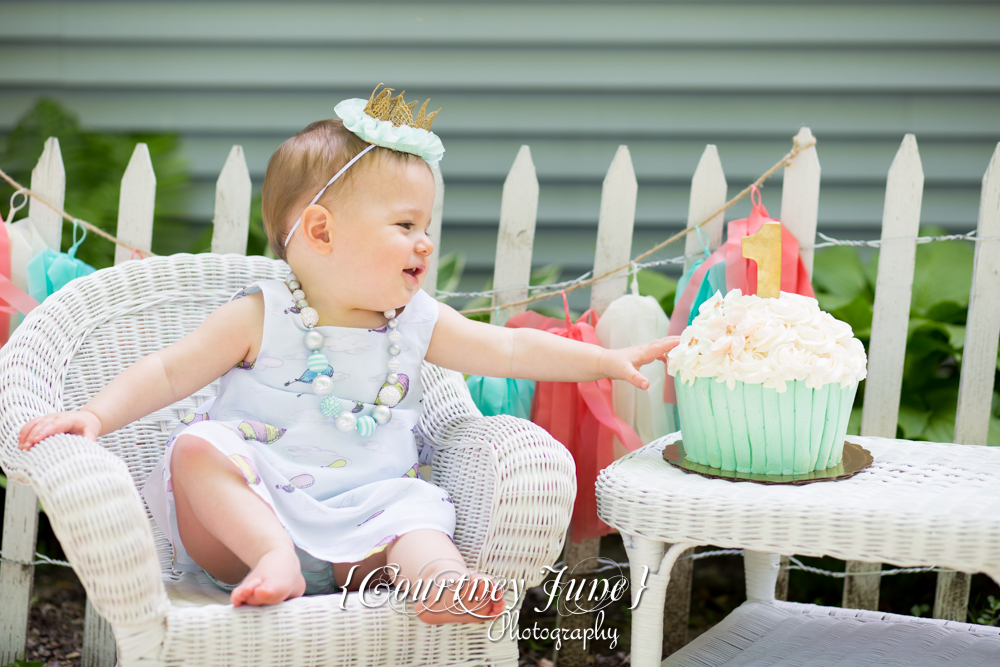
[[300, 168]]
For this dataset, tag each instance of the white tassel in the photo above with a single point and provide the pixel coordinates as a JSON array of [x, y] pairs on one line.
[[634, 320]]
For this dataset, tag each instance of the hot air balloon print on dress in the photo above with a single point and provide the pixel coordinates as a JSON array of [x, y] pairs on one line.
[[309, 375], [381, 545], [392, 394], [371, 517], [192, 417], [246, 467], [261, 432], [413, 472], [298, 482]]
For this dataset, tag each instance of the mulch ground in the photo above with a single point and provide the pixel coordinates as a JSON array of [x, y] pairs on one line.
[[55, 623]]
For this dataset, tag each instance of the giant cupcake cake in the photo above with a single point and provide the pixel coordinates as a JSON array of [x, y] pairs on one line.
[[765, 385]]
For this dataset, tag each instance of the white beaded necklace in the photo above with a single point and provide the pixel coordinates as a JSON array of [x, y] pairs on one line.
[[334, 407]]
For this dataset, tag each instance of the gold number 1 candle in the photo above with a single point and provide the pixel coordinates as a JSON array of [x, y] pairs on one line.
[[764, 247]]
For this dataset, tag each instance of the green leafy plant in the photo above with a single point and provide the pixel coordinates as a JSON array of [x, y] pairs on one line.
[[95, 163], [24, 663], [450, 269], [845, 287], [660, 287], [989, 614]]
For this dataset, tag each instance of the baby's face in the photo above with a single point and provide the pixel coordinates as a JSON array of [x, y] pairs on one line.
[[382, 248]]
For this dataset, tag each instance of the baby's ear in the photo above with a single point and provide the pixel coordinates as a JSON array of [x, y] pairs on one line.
[[317, 227]]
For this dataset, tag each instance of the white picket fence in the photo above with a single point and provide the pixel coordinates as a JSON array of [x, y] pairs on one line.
[[519, 204]]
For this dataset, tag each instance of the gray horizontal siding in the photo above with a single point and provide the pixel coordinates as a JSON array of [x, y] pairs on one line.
[[291, 67], [571, 79], [580, 116], [480, 23]]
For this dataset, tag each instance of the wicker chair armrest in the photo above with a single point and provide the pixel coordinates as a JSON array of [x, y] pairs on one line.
[[96, 512], [514, 486], [512, 483]]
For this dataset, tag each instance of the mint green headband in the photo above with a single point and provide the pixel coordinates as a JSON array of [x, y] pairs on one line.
[[405, 138]]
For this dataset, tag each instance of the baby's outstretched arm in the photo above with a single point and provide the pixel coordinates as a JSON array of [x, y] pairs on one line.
[[160, 378], [482, 349]]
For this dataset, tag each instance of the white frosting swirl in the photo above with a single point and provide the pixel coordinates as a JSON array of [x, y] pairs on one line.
[[404, 138], [744, 338]]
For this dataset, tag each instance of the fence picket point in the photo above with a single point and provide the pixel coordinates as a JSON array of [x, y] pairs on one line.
[[231, 225], [48, 179], [799, 213], [800, 197], [614, 229], [890, 319], [975, 389], [614, 248], [893, 289], [708, 193], [516, 237], [135, 204], [135, 227], [20, 521]]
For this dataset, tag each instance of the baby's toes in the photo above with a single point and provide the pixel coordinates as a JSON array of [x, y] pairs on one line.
[[243, 593]]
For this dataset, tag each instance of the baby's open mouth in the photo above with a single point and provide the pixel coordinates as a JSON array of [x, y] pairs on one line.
[[415, 271]]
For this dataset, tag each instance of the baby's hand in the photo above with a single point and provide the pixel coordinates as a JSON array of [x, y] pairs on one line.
[[78, 422], [624, 363]]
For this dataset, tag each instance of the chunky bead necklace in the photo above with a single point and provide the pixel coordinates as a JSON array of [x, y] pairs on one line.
[[339, 409]]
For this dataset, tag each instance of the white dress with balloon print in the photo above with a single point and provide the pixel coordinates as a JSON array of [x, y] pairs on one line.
[[341, 496]]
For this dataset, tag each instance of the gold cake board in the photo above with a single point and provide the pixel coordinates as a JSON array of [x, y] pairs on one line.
[[856, 458]]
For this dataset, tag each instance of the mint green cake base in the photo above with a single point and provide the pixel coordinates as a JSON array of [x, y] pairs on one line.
[[758, 430]]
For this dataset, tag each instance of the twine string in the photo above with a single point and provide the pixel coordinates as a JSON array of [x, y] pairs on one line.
[[97, 230], [828, 242]]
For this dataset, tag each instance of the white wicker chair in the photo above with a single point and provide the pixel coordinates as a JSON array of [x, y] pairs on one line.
[[513, 486]]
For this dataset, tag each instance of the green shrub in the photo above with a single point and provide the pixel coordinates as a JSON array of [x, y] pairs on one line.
[[95, 163], [845, 287]]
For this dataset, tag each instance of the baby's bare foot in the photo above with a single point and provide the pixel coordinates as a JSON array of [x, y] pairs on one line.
[[276, 578], [479, 599]]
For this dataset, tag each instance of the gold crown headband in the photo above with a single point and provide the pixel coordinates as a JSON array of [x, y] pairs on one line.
[[398, 112]]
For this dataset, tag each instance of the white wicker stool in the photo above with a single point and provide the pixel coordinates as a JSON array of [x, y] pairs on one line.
[[919, 504], [787, 633]]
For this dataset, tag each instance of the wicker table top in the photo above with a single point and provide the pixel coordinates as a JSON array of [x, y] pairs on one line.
[[919, 504]]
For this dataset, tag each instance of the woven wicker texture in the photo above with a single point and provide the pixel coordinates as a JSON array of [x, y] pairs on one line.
[[788, 634], [919, 504], [512, 484]]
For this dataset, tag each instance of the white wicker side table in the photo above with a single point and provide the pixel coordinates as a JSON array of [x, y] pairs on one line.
[[919, 504]]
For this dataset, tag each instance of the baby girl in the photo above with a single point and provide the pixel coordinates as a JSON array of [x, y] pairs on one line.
[[301, 475]]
